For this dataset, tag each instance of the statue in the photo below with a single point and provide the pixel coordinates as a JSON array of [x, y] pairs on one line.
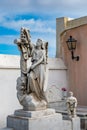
[[71, 103], [31, 85]]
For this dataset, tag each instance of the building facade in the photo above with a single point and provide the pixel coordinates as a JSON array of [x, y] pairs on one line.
[[77, 70]]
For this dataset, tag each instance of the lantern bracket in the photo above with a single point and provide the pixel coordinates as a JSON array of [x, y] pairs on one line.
[[74, 57]]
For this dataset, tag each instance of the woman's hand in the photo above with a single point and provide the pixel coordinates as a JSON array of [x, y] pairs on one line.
[[32, 67]]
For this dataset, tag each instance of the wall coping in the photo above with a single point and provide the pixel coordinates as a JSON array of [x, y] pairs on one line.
[[13, 62], [74, 23]]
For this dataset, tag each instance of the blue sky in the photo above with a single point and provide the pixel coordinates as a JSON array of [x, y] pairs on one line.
[[37, 15]]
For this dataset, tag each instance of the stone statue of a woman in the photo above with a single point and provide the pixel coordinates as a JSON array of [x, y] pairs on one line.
[[32, 83]]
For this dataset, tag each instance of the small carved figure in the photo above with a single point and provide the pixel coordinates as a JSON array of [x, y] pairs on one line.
[[71, 103], [31, 84], [21, 88]]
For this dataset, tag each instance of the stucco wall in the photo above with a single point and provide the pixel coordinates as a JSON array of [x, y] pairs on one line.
[[77, 70], [63, 24], [10, 70]]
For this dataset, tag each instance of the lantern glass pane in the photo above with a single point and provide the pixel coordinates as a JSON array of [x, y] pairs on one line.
[[73, 45], [69, 45]]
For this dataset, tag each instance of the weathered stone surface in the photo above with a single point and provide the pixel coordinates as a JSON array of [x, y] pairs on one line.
[[34, 114], [76, 123], [59, 105], [71, 102], [72, 124], [67, 125], [32, 83], [50, 122], [6, 129]]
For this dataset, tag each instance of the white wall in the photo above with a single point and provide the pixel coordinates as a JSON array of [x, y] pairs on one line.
[[10, 70], [57, 79]]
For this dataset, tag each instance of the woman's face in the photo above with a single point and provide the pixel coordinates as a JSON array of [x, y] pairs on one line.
[[38, 44]]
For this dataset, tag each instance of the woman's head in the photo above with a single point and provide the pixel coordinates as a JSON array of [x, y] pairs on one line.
[[39, 43]]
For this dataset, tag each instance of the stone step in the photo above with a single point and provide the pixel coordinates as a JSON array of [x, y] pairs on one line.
[[6, 128], [59, 105], [67, 125]]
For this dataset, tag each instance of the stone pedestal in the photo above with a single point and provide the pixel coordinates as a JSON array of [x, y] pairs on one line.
[[6, 129], [35, 120], [34, 114], [76, 123]]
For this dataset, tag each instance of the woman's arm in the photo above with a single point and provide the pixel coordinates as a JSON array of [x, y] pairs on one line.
[[37, 63]]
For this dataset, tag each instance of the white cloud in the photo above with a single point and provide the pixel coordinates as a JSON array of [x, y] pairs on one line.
[[73, 7], [15, 5], [43, 29], [33, 25], [7, 39]]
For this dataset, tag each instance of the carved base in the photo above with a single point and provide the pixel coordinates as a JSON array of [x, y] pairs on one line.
[[34, 114], [30, 103], [37, 120]]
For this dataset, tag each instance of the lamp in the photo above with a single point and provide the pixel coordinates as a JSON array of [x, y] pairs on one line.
[[71, 43]]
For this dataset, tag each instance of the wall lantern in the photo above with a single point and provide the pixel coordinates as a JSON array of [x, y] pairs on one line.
[[71, 43]]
